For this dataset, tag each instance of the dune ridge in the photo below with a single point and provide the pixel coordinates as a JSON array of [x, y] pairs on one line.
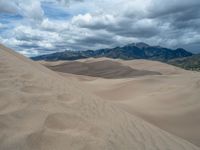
[[169, 101], [104, 69], [41, 110]]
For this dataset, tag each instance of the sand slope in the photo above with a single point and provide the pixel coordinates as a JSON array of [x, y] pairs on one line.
[[169, 101], [105, 69], [41, 110]]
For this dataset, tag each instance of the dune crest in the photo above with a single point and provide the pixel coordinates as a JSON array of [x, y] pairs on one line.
[[169, 100], [41, 110], [104, 69]]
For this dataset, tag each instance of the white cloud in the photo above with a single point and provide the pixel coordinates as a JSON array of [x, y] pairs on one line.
[[26, 33], [100, 23], [30, 9], [54, 26], [97, 21]]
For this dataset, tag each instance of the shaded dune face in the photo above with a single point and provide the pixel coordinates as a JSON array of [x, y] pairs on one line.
[[40, 110], [105, 69]]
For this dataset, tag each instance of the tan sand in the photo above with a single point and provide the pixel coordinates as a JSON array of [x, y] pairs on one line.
[[40, 110], [170, 101], [104, 69]]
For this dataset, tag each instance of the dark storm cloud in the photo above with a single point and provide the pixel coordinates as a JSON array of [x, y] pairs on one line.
[[161, 8], [128, 27], [134, 29], [169, 21], [29, 46], [179, 14], [93, 40]]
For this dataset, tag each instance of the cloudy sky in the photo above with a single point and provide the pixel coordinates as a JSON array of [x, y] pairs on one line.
[[35, 27]]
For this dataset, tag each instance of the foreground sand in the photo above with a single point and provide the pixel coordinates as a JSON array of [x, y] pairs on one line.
[[169, 101], [40, 110]]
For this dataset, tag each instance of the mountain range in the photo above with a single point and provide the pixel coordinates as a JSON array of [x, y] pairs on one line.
[[127, 52]]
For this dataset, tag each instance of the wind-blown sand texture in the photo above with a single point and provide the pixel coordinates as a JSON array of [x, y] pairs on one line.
[[41, 110], [169, 101]]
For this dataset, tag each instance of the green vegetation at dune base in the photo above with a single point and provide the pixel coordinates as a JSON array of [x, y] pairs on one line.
[[188, 63]]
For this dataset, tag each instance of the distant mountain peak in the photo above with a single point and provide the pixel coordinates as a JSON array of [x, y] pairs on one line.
[[139, 45], [131, 51]]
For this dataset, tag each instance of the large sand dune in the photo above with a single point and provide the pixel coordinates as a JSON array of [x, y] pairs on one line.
[[105, 69], [170, 101], [40, 110]]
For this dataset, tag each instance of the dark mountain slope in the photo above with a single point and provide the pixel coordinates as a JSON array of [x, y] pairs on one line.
[[128, 52]]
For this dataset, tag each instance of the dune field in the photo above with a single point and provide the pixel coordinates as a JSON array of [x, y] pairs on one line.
[[169, 98], [44, 110]]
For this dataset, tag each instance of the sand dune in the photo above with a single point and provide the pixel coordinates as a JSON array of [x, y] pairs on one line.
[[41, 110], [104, 68], [169, 101]]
